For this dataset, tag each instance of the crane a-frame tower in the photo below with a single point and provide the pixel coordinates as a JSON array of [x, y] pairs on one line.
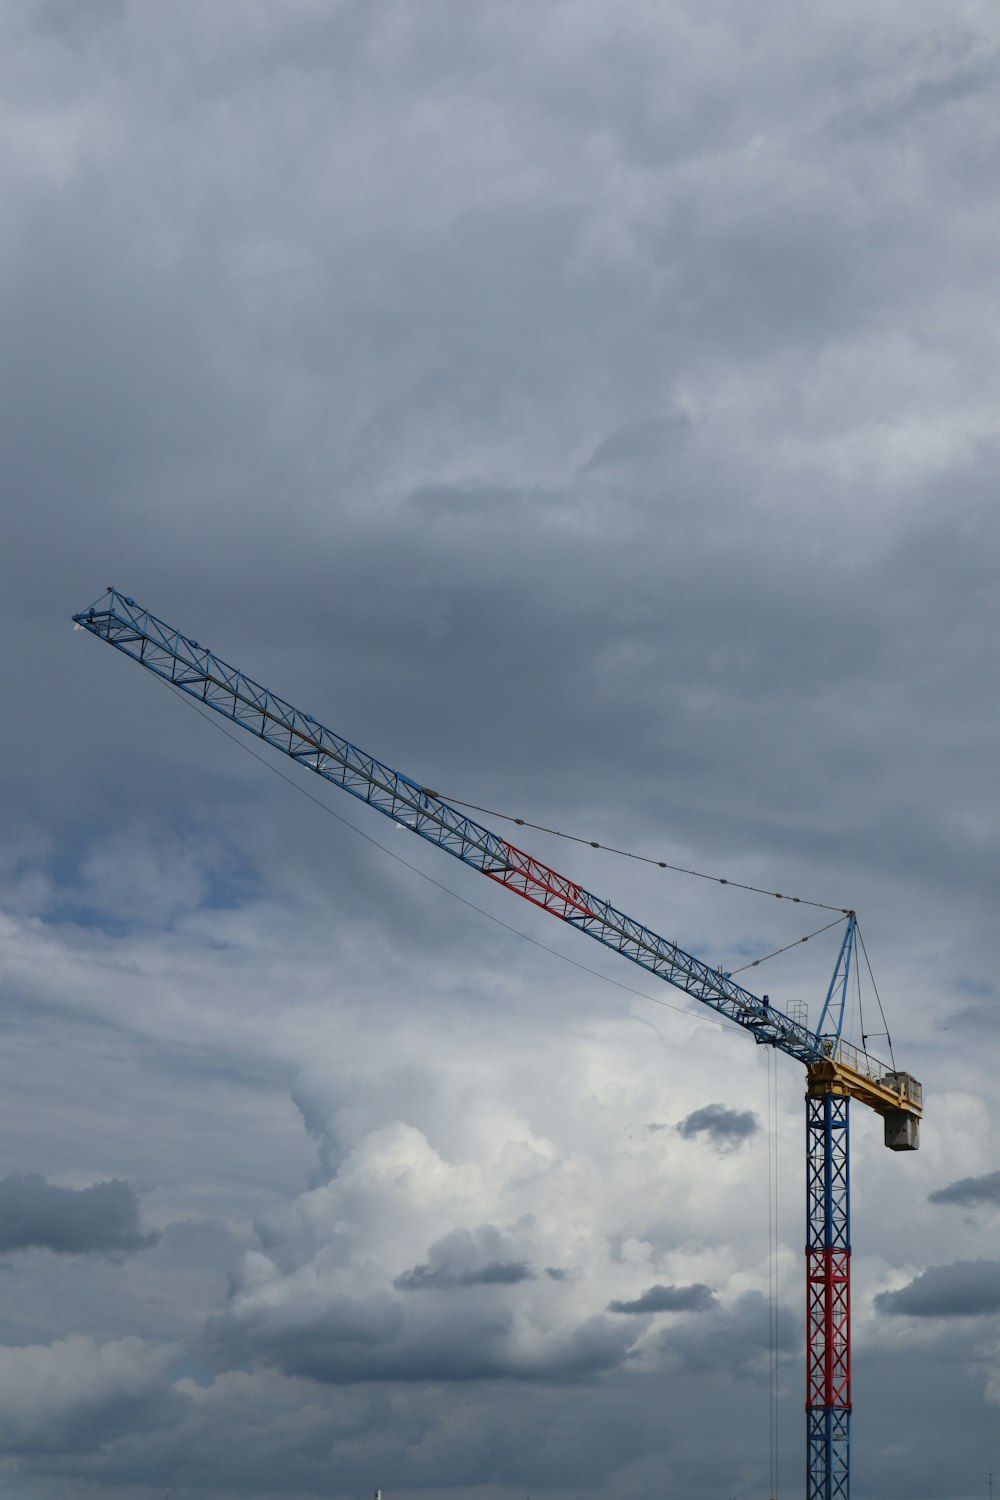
[[836, 1072]]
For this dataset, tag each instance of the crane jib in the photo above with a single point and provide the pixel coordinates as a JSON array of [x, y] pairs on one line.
[[198, 672]]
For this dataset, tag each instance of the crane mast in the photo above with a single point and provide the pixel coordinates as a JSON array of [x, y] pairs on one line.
[[836, 1072]]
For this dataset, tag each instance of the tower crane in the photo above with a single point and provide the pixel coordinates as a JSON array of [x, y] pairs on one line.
[[836, 1071]]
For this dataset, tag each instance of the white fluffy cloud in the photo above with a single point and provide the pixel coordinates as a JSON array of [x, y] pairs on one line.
[[487, 1227]]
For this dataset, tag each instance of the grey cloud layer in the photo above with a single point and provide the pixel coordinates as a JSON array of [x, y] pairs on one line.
[[724, 1127], [465, 1259], [340, 1341], [70, 1221], [736, 1338], [78, 1393], [969, 1192], [696, 1298], [963, 1290], [431, 1278], [591, 410]]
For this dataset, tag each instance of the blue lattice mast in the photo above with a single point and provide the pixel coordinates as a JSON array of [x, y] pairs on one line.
[[828, 1296], [837, 1072], [828, 1265]]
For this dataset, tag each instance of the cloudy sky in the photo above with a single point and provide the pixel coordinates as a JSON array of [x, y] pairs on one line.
[[590, 409]]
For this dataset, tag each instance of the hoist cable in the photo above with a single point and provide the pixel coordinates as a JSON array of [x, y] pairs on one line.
[[859, 1002], [772, 1267], [878, 998], [771, 1296], [777, 1288]]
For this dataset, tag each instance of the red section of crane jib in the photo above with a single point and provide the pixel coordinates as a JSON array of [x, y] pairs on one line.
[[540, 884], [828, 1308]]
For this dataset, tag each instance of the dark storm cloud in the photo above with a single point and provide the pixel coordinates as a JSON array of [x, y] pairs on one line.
[[341, 1336], [962, 1290], [466, 1258], [722, 1126], [969, 1192], [426, 1278], [70, 1221], [735, 1337], [695, 1298], [78, 1394], [339, 1340]]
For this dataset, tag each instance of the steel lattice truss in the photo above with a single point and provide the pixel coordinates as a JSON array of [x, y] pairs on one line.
[[204, 676], [828, 1296]]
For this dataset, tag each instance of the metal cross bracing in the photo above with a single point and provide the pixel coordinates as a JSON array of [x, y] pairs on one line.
[[837, 1071], [828, 1295]]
